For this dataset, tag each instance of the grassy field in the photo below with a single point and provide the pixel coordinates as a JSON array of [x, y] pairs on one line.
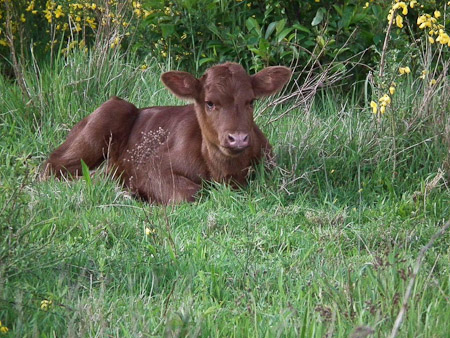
[[325, 245]]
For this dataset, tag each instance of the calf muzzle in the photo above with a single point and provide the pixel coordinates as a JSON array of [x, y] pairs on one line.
[[237, 142]]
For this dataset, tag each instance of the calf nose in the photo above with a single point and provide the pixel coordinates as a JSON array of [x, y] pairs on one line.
[[238, 140]]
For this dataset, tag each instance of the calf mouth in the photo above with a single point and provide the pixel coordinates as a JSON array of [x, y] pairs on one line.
[[232, 151]]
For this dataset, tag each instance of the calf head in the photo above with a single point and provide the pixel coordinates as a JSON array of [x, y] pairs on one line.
[[224, 98]]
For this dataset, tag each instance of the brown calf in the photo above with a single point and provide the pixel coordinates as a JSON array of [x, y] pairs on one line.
[[162, 154]]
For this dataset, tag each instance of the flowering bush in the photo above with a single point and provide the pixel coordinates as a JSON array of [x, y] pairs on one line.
[[195, 34], [66, 24], [431, 46]]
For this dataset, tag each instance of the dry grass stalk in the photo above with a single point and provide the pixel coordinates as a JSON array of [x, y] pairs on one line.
[[385, 44], [430, 185], [314, 76]]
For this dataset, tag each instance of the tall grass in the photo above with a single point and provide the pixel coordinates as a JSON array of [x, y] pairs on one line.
[[323, 245]]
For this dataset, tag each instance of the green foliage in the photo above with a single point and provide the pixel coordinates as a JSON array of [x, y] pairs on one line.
[[260, 33], [194, 34]]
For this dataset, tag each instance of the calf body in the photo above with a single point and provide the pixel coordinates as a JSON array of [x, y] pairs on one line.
[[162, 154]]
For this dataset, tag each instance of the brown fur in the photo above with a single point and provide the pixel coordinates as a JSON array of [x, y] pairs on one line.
[[162, 154]]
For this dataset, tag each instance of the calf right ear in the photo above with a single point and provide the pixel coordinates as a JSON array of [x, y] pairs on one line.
[[270, 80], [182, 84]]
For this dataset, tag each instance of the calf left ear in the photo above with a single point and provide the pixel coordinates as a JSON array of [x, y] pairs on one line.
[[270, 80], [182, 84]]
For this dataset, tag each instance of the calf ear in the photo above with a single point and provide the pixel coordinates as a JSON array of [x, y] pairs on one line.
[[270, 80], [182, 84]]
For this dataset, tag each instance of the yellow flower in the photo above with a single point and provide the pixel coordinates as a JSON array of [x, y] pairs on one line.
[[425, 21], [399, 21], [115, 42], [385, 100], [401, 5], [91, 22], [424, 74], [3, 329], [430, 39], [48, 16], [73, 44], [432, 82], [148, 231], [443, 38], [366, 5], [412, 3], [392, 90], [374, 107], [46, 304], [421, 19], [30, 7], [59, 12], [382, 109], [404, 70], [437, 14]]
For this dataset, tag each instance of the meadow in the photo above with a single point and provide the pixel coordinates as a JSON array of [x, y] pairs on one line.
[[347, 236], [324, 244]]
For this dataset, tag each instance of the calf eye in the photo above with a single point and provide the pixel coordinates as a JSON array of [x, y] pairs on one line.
[[209, 105]]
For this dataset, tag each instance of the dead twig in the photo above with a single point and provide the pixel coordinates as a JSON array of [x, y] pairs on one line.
[[315, 76], [385, 44], [417, 265]]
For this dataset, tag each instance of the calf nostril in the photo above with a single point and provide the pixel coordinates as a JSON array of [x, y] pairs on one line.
[[238, 140]]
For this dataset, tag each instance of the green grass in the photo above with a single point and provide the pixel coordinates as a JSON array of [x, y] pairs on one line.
[[323, 245]]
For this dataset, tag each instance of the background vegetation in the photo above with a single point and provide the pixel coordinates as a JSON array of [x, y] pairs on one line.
[[332, 242]]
